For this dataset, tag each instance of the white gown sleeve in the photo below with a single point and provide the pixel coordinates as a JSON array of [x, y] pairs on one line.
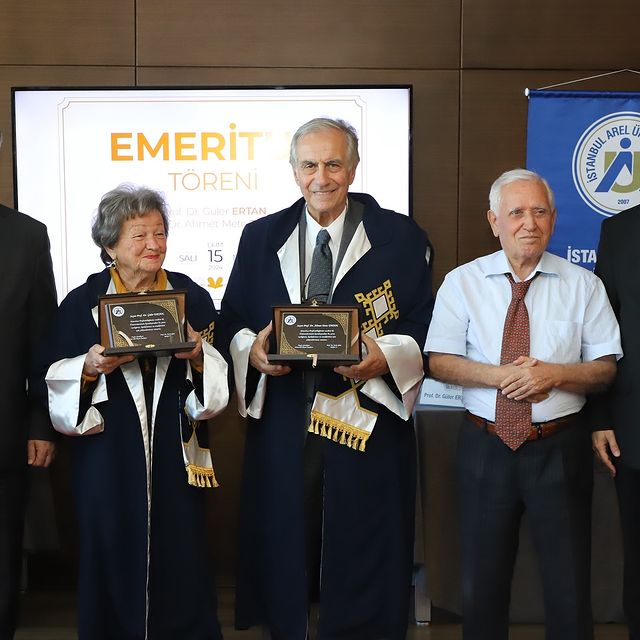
[[215, 386], [240, 348], [64, 380], [404, 358]]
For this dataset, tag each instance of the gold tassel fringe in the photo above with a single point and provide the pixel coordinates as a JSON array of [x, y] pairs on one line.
[[201, 476], [341, 432]]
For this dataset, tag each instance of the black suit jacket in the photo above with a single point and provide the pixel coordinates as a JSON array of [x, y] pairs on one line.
[[27, 301], [618, 266]]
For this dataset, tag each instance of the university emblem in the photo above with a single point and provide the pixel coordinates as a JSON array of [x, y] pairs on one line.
[[606, 163]]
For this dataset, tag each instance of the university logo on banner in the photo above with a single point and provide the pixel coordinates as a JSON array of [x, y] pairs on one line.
[[587, 145], [606, 163]]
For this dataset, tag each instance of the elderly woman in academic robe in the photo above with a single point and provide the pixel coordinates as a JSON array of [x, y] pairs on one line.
[[140, 456]]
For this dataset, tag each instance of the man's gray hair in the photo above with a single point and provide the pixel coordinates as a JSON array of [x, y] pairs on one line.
[[322, 124], [123, 203], [514, 175]]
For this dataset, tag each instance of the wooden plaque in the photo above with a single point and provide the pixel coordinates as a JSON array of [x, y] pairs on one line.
[[137, 323], [325, 335]]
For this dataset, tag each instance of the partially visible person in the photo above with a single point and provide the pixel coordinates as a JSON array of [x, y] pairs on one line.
[[527, 335], [139, 449], [614, 415], [27, 301], [328, 498]]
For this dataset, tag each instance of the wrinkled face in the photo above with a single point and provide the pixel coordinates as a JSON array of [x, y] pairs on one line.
[[323, 173], [524, 221], [141, 246]]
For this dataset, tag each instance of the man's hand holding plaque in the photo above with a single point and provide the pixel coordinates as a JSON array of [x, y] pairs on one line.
[[259, 355], [372, 365]]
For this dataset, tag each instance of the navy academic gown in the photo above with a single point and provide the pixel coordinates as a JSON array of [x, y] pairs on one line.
[[369, 496], [130, 546]]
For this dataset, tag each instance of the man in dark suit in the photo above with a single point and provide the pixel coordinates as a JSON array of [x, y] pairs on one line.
[[616, 438], [27, 298]]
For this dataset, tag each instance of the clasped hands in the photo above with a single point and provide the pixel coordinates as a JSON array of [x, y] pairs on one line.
[[373, 364], [527, 379]]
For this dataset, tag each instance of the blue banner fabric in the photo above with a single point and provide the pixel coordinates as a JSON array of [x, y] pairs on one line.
[[587, 145]]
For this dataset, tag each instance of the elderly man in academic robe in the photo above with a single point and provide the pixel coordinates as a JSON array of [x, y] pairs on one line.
[[329, 476]]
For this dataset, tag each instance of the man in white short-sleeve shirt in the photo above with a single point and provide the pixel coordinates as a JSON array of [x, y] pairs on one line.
[[573, 346]]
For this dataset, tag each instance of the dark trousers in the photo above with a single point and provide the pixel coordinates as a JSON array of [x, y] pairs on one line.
[[13, 493], [552, 480], [313, 492], [628, 488], [313, 496]]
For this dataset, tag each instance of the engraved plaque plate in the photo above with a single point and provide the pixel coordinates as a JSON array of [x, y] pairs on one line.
[[137, 323], [324, 335]]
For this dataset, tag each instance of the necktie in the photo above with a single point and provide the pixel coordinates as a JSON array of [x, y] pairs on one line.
[[321, 273], [513, 417]]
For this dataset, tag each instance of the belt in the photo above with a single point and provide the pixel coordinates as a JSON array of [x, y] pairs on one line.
[[538, 431]]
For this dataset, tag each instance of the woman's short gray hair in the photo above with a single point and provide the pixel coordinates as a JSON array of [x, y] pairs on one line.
[[123, 203], [514, 175], [320, 124]]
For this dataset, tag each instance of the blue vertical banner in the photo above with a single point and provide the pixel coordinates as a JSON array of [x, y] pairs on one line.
[[587, 145]]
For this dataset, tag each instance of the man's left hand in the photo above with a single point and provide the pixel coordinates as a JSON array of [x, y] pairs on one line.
[[374, 364], [605, 445], [40, 453], [532, 378]]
